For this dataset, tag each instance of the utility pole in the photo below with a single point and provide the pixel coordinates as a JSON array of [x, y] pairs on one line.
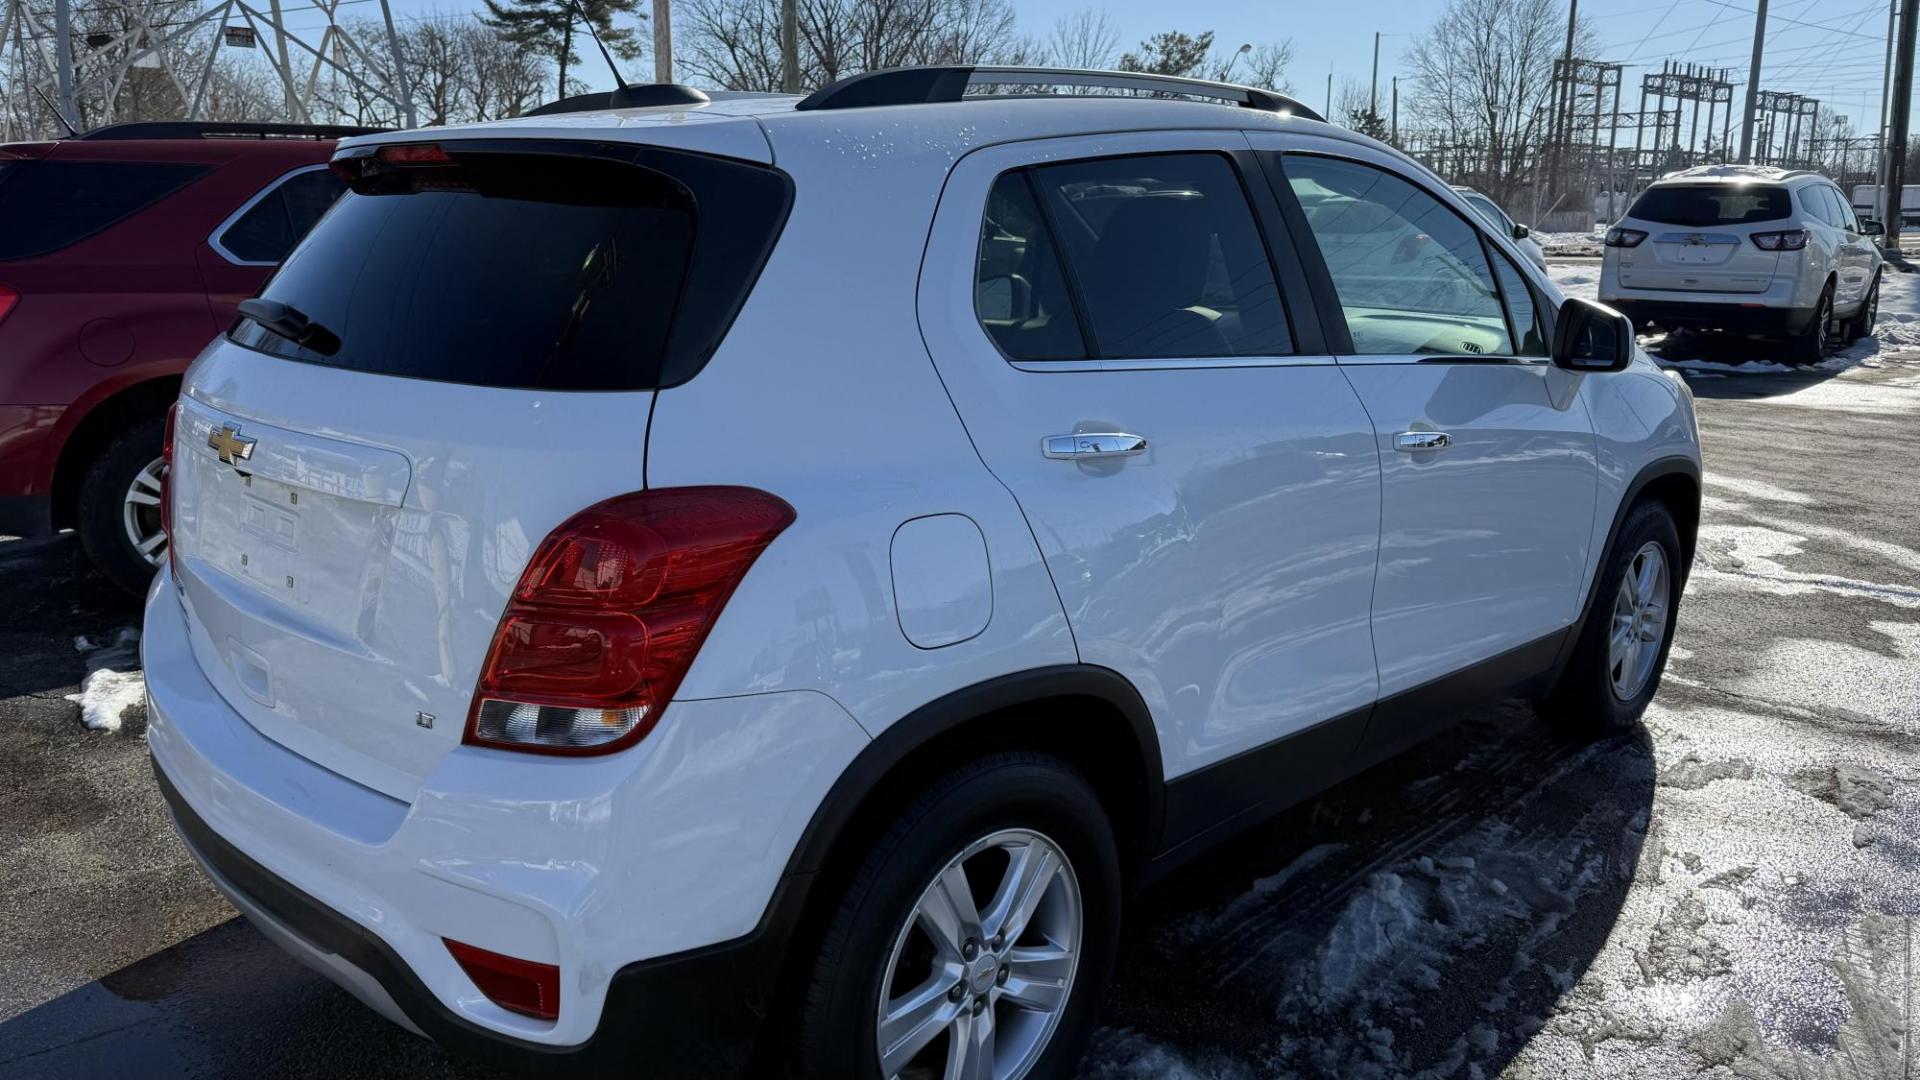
[[663, 41], [1329, 113], [1396, 110], [1753, 84], [790, 46], [1886, 88], [1562, 123], [63, 60], [1373, 93], [1902, 113]]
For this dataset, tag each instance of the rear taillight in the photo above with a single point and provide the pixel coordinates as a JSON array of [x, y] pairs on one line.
[[609, 614], [1624, 238], [9, 297], [517, 985], [1790, 240], [166, 480]]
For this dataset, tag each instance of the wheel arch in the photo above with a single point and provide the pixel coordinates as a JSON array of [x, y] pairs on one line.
[[1674, 482], [96, 429]]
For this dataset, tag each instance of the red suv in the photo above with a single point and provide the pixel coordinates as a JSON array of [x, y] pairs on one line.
[[122, 253]]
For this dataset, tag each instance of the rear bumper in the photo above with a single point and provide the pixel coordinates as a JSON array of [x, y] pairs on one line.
[[653, 878], [1732, 317]]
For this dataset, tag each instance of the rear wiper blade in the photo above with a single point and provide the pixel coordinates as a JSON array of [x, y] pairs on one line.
[[287, 321]]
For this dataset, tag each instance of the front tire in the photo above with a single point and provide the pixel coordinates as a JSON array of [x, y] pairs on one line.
[[118, 517], [977, 937], [1617, 662]]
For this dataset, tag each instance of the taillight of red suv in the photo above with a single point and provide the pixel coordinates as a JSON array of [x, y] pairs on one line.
[[609, 613], [9, 299]]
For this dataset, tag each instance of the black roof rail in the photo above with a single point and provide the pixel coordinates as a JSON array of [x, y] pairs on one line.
[[210, 129], [926, 85], [627, 97]]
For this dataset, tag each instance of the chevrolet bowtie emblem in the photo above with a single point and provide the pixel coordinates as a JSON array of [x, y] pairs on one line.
[[231, 445]]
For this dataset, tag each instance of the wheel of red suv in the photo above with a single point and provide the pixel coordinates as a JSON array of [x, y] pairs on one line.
[[1863, 321], [1809, 346], [118, 517], [1616, 664], [977, 937]]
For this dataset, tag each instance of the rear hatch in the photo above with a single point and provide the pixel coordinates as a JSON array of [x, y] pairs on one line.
[[462, 354], [1698, 237]]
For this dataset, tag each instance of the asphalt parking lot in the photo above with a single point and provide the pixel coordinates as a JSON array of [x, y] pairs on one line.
[[1731, 893]]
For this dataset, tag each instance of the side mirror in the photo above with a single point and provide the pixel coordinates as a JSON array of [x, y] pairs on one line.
[[1521, 232], [1870, 227], [1591, 337]]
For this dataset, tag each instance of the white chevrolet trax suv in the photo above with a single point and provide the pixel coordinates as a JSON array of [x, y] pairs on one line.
[[752, 586], [1750, 250]]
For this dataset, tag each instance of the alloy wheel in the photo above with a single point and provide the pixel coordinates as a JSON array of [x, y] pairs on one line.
[[1639, 621], [981, 973], [140, 514]]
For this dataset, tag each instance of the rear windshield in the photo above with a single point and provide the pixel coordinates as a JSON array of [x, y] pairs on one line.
[[48, 205], [1701, 205], [577, 267]]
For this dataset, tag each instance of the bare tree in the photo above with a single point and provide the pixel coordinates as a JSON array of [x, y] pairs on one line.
[[1484, 77], [1266, 67], [736, 43], [1084, 39]]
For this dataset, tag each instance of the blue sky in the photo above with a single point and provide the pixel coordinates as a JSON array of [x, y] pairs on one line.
[[1829, 49]]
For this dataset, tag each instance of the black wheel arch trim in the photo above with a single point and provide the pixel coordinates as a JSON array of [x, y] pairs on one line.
[[1658, 469], [950, 711]]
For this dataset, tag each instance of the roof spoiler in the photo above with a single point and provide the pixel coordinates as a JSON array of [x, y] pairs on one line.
[[627, 97]]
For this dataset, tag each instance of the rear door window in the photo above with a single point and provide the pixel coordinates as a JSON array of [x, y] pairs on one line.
[[279, 218], [49, 204], [572, 267], [1020, 290], [1707, 205], [1166, 255]]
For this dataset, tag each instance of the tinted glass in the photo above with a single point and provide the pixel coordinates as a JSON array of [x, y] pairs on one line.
[[1412, 276], [270, 228], [1019, 292], [533, 270], [1815, 200], [1485, 208], [1701, 205], [47, 205], [1166, 255], [1523, 308]]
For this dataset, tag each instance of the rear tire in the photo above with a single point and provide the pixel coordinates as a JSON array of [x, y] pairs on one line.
[[113, 518], [892, 943], [1809, 346], [1617, 662], [1862, 323]]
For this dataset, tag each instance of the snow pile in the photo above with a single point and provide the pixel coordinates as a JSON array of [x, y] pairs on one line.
[[1692, 774], [114, 690]]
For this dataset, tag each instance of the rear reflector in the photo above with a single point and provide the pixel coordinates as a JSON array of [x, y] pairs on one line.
[[516, 985], [609, 613], [8, 298]]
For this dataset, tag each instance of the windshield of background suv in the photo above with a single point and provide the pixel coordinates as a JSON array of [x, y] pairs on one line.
[[1700, 205], [572, 267]]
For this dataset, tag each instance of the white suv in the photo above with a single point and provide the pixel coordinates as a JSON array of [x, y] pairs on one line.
[[1746, 249], [753, 584]]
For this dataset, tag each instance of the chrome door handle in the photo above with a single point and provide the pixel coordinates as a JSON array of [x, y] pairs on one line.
[[1416, 441], [1093, 444]]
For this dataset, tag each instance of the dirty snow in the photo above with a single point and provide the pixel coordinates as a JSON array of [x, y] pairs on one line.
[[113, 691]]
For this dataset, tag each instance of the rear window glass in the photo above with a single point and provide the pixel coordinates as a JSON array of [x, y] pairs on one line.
[[48, 205], [578, 268], [1712, 204]]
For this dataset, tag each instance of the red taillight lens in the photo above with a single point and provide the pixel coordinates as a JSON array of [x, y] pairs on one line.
[[166, 478], [1790, 240], [9, 297], [1624, 238], [609, 614], [516, 985]]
